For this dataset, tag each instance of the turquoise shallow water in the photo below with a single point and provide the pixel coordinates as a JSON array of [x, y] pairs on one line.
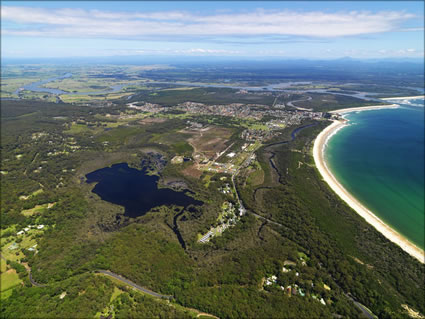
[[379, 159]]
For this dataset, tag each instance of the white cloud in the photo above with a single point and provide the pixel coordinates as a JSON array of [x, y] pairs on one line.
[[169, 51], [96, 23], [412, 30]]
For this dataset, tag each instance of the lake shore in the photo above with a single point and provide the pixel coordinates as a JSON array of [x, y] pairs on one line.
[[387, 231]]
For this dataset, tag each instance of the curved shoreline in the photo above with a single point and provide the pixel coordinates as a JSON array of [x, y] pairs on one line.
[[384, 229], [403, 98], [366, 108]]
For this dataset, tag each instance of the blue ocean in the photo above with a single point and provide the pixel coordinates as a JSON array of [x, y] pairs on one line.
[[379, 159]]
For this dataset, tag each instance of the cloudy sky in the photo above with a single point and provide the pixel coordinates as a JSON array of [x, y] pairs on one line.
[[311, 29]]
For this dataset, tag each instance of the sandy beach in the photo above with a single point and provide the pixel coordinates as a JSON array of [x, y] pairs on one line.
[[365, 108], [388, 232], [404, 98]]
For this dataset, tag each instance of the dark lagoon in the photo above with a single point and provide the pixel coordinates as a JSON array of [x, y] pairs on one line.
[[135, 190]]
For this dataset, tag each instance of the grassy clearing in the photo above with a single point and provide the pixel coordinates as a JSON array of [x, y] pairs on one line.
[[12, 255], [119, 135], [77, 129], [35, 210], [182, 116], [262, 127], [114, 96], [28, 240], [11, 249], [256, 178], [9, 230], [116, 293], [74, 98], [9, 279], [3, 266], [253, 125], [303, 256], [183, 148], [207, 180], [37, 192], [111, 124]]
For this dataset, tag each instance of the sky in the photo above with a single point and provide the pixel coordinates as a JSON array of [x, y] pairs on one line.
[[278, 29]]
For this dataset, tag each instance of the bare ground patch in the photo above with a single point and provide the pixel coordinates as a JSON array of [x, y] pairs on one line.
[[210, 141], [151, 120], [192, 171]]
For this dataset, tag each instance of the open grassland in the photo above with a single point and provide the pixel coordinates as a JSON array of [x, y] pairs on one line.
[[8, 280], [73, 98], [119, 135], [78, 129], [3, 266], [118, 95], [37, 209], [103, 122]]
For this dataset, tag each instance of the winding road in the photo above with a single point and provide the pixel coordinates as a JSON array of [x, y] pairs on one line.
[[107, 273], [116, 276], [134, 285]]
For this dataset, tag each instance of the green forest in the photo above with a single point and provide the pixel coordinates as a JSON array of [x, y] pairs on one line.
[[298, 251]]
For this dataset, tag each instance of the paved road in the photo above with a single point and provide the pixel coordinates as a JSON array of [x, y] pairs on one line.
[[111, 274], [134, 285], [34, 283], [269, 220], [366, 312], [29, 275]]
